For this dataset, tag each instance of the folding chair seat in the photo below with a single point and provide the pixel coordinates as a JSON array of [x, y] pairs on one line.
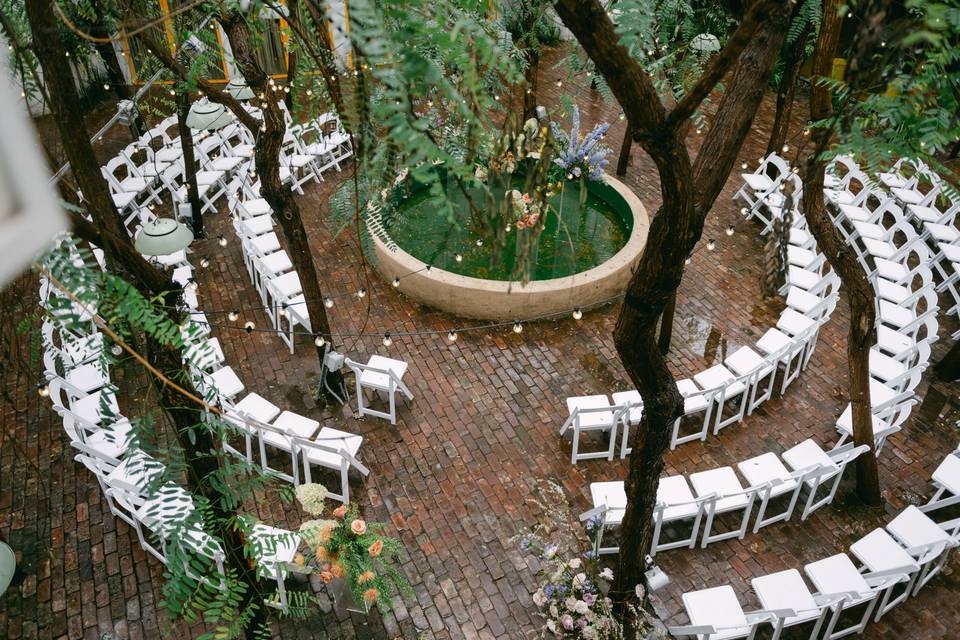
[[590, 414], [609, 504], [802, 278], [716, 614], [223, 382], [881, 429], [927, 214], [830, 466], [747, 362], [912, 195], [925, 540], [266, 268], [771, 479], [878, 551], [946, 481], [205, 355], [676, 503], [137, 473], [695, 401], [728, 388], [633, 413], [254, 207], [332, 449], [255, 226], [296, 316], [785, 591], [386, 375], [280, 435], [730, 496], [245, 416], [280, 292], [273, 552], [840, 583]]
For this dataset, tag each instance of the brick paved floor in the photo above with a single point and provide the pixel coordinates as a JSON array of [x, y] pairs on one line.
[[475, 460]]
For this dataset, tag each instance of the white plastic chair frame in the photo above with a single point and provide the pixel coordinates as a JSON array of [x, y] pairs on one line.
[[395, 384], [301, 447], [573, 422]]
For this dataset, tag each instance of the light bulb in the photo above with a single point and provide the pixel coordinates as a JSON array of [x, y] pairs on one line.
[[744, 211], [688, 260], [559, 83], [452, 336], [730, 230], [577, 313], [116, 350], [743, 165], [222, 241], [361, 293], [785, 148], [106, 87], [192, 285], [328, 302], [458, 258], [232, 316], [396, 282], [711, 244], [508, 228], [479, 242], [518, 327], [319, 341], [699, 131], [249, 326], [43, 390], [309, 92], [204, 262], [387, 341], [806, 132]]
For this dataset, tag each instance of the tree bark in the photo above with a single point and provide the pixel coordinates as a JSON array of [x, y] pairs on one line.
[[624, 160], [107, 231], [666, 325], [787, 91], [676, 227], [189, 162], [293, 14], [267, 161], [860, 295]]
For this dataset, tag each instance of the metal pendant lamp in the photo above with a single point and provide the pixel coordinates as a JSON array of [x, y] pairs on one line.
[[208, 116], [238, 88], [162, 237]]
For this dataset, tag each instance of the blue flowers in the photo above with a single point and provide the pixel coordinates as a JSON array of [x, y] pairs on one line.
[[581, 156]]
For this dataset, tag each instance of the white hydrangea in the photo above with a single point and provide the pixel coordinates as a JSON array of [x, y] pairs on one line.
[[311, 497]]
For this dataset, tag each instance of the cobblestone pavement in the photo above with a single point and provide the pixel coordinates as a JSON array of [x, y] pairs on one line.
[[475, 459]]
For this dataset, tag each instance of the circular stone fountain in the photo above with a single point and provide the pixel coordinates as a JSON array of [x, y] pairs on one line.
[[584, 261]]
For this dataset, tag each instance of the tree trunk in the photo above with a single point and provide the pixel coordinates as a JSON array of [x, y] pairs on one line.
[[293, 13], [624, 160], [118, 82], [949, 367], [666, 325], [107, 232], [860, 295], [189, 162], [530, 75], [676, 227], [787, 91], [278, 195]]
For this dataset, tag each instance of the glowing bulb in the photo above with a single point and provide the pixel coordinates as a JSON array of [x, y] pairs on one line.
[[458, 258], [711, 244], [396, 282], [43, 390], [452, 336], [508, 228], [577, 313], [328, 302], [518, 327], [319, 341], [387, 340], [361, 293], [730, 230], [785, 148], [559, 83], [249, 326], [116, 350], [743, 165], [233, 316], [106, 87], [744, 211], [309, 92], [699, 131], [192, 285], [222, 241], [622, 116], [806, 132], [479, 242], [204, 262], [688, 260]]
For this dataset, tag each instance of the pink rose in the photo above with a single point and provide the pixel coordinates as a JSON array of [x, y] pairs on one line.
[[375, 549], [358, 526], [340, 511]]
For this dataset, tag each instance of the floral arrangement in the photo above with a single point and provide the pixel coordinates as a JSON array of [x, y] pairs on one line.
[[581, 156], [346, 547], [572, 595], [525, 210]]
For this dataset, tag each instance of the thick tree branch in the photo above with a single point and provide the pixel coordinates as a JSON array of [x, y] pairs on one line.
[[628, 81], [161, 53], [718, 67]]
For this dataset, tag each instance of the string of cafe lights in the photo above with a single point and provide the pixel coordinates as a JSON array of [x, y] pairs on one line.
[[236, 324]]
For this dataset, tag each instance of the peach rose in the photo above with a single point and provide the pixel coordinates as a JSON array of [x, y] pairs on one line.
[[340, 511], [370, 596], [326, 576], [358, 526], [375, 549]]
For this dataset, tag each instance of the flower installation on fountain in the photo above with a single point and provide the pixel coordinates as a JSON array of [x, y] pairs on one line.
[[348, 550]]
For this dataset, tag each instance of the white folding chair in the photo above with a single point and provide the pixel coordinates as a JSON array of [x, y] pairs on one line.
[[331, 449], [380, 374], [592, 414]]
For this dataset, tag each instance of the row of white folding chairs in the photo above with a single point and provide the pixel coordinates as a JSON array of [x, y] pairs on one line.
[[700, 498], [902, 557]]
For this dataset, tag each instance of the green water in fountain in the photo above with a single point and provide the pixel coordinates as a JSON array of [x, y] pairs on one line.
[[574, 238]]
